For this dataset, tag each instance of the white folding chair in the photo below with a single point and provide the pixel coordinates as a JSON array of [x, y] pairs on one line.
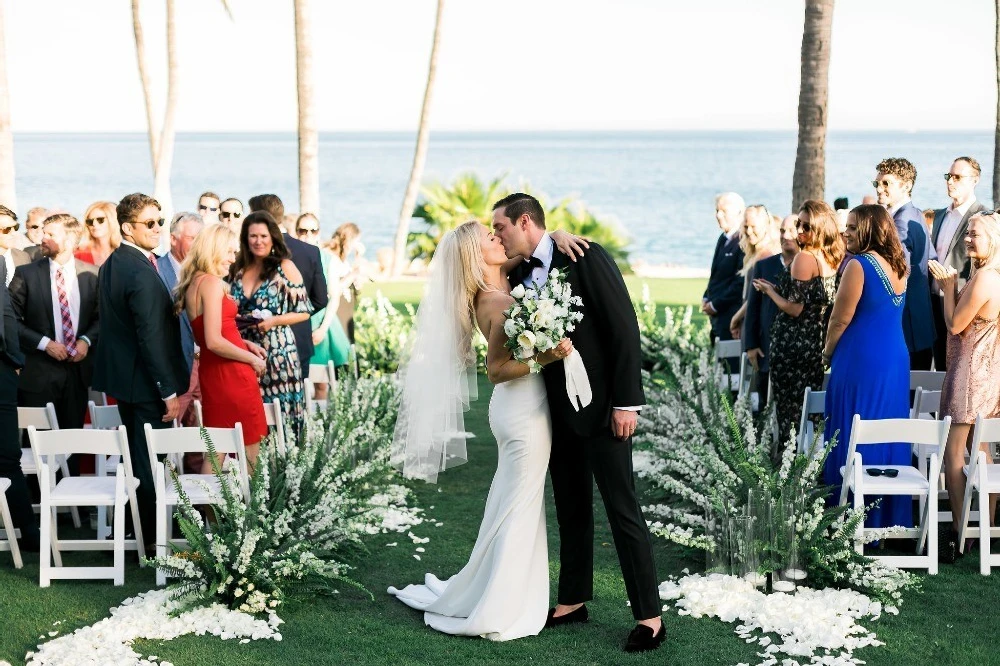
[[9, 541], [930, 380], [725, 350], [813, 402], [826, 380], [272, 412], [104, 417], [200, 488], [319, 373], [926, 405], [199, 416], [116, 491], [982, 480], [42, 418], [909, 482], [746, 383]]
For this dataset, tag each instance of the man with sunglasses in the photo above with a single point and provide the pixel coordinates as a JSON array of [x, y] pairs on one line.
[[140, 361], [231, 214], [208, 208], [894, 186], [34, 220], [948, 238], [12, 257]]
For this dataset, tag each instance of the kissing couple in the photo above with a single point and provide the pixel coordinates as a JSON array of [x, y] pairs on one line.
[[502, 593]]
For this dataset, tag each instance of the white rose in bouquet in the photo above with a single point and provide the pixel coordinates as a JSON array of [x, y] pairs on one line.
[[526, 340], [518, 292], [510, 328]]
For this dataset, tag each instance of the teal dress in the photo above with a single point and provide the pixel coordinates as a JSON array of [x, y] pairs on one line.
[[334, 346], [283, 377]]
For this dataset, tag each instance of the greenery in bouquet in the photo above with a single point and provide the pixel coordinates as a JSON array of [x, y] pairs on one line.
[[306, 514], [540, 317], [703, 456]]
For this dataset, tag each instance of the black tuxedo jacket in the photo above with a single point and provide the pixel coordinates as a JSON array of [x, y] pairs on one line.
[[957, 256], [761, 310], [31, 294], [607, 338], [139, 358], [306, 258], [725, 284], [10, 348]]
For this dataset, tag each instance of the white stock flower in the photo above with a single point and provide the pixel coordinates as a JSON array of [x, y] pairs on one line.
[[518, 292]]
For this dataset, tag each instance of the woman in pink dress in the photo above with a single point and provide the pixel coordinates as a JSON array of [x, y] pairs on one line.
[[229, 365]]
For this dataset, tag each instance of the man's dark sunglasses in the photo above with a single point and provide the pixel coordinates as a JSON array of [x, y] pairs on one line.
[[874, 471], [204, 207], [225, 215], [151, 223]]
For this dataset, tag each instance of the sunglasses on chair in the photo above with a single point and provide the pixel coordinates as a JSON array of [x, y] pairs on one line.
[[874, 471]]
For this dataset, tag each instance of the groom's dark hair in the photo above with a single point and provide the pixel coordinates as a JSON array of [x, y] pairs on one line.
[[517, 204]]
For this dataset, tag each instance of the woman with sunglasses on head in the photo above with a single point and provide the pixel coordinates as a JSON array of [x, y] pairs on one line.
[[103, 233], [330, 342], [803, 296], [268, 288], [866, 350], [971, 385]]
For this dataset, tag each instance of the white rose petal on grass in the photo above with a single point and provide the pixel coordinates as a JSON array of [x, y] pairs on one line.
[[416, 557], [420, 550]]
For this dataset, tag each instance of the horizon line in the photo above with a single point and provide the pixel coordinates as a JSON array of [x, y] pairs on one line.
[[520, 131]]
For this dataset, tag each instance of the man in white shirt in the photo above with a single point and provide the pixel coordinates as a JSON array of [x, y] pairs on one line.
[[55, 301], [12, 256], [948, 238]]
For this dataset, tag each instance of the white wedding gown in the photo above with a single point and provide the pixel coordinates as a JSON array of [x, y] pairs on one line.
[[503, 591]]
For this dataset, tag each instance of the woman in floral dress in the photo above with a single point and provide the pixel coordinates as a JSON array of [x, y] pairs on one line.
[[804, 295], [270, 295]]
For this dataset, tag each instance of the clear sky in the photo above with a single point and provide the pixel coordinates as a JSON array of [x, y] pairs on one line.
[[511, 64]]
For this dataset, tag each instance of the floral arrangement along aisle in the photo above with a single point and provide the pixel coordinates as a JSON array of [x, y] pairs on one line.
[[307, 513]]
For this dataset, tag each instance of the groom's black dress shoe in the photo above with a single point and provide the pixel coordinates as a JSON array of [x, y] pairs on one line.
[[642, 638], [580, 615]]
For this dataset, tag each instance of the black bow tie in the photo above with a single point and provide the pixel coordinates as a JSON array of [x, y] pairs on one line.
[[534, 262]]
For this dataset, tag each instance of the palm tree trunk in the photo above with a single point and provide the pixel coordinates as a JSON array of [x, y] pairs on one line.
[[419, 154], [809, 178], [165, 158], [7, 193], [308, 134], [147, 92], [996, 138]]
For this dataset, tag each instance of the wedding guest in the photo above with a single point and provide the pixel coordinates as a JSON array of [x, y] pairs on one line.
[[139, 362], [970, 384], [34, 220], [208, 208], [184, 228], [894, 186], [347, 239], [329, 340], [103, 233], [948, 238], [759, 239], [264, 280], [307, 260], [803, 296], [230, 214], [11, 362], [12, 257], [869, 363], [722, 297], [761, 311], [55, 301], [869, 199], [229, 365], [929, 214]]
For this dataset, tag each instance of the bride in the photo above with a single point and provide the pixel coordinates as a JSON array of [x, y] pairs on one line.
[[503, 591]]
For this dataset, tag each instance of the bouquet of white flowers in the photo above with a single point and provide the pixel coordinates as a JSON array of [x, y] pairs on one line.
[[538, 319]]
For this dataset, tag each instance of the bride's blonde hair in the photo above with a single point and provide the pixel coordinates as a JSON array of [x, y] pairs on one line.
[[468, 244]]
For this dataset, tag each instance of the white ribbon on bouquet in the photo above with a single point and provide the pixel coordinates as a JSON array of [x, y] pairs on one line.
[[577, 381]]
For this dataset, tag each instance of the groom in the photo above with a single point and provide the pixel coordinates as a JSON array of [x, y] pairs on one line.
[[594, 443]]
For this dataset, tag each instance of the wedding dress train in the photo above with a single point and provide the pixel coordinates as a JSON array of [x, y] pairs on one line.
[[503, 591]]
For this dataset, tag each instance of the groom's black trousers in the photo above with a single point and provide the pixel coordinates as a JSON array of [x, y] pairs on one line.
[[575, 463]]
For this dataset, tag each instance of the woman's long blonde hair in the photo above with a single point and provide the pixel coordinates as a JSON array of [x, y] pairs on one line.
[[468, 245], [990, 225], [341, 238], [769, 244], [111, 215], [205, 256]]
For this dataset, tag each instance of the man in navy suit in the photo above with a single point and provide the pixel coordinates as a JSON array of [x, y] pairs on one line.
[[948, 239], [724, 294], [184, 228], [894, 187], [761, 311], [306, 258]]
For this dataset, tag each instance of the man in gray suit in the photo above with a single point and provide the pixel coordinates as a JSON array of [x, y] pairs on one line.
[[948, 239]]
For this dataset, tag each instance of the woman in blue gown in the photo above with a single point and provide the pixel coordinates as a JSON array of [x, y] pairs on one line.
[[869, 363]]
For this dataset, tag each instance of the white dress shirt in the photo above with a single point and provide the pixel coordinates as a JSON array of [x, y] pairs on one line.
[[71, 284], [176, 265], [949, 225], [8, 258]]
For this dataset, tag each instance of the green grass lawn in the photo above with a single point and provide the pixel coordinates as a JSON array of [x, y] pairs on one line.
[[950, 622]]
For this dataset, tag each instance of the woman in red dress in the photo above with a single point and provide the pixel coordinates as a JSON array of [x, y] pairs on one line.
[[229, 365], [103, 236]]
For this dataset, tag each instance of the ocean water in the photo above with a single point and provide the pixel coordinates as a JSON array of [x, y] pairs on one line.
[[658, 186]]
